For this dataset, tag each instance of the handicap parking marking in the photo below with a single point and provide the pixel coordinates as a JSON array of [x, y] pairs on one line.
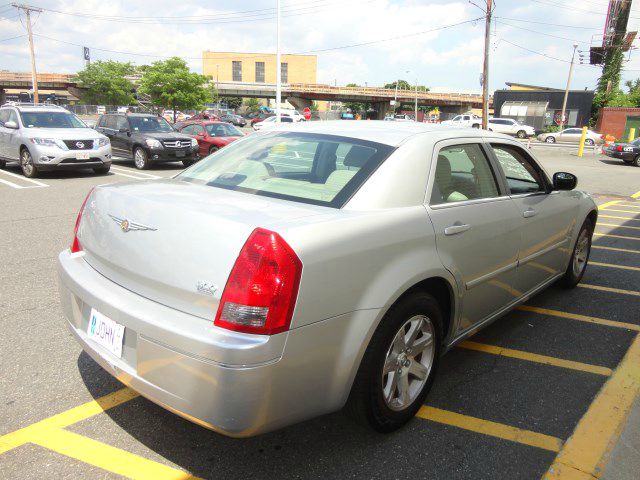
[[35, 183]]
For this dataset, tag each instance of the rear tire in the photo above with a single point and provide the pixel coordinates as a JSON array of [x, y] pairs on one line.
[[475, 125], [579, 257], [188, 163], [3, 163], [521, 134], [636, 161], [589, 142], [141, 158], [29, 170], [550, 139], [392, 365], [102, 170], [212, 150]]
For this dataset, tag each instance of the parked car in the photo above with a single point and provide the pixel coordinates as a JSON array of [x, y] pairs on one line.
[[347, 116], [47, 137], [260, 117], [179, 117], [270, 122], [571, 135], [466, 120], [148, 139], [313, 272], [510, 127], [234, 119], [627, 152], [200, 116], [211, 136], [295, 114]]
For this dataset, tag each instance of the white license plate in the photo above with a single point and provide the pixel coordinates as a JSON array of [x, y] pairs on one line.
[[82, 156], [180, 153], [107, 333]]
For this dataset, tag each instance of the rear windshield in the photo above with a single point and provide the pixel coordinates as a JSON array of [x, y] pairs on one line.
[[222, 130], [149, 124], [310, 168], [51, 120]]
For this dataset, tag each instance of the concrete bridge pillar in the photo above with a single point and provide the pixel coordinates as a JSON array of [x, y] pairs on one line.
[[382, 109], [299, 103], [447, 112], [3, 96]]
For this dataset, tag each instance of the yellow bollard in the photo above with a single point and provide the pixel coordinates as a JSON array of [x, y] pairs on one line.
[[582, 139], [632, 134]]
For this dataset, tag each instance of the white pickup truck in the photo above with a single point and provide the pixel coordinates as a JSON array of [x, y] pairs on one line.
[[466, 120]]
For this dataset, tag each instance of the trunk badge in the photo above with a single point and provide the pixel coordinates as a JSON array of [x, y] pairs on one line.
[[127, 225]]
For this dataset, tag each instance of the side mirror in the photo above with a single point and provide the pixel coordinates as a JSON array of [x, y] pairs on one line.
[[123, 130], [564, 181], [11, 124], [201, 134]]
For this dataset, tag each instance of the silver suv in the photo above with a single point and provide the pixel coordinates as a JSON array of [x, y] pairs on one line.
[[47, 137]]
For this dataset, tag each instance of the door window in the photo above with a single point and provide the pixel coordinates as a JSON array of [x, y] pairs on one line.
[[188, 130], [122, 124], [110, 122], [523, 174], [463, 173], [4, 116], [197, 129], [457, 119]]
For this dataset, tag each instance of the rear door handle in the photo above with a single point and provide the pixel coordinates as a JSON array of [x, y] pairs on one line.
[[455, 229], [529, 213]]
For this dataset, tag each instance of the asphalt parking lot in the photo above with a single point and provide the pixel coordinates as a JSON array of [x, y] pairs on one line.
[[543, 390]]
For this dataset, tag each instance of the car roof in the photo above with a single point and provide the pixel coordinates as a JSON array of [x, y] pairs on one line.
[[389, 133], [35, 108]]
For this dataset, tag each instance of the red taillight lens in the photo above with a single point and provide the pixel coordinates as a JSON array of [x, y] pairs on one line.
[[261, 291], [75, 245], [619, 148]]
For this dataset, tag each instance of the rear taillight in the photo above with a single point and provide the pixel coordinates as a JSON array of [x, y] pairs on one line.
[[619, 148], [75, 245], [262, 288]]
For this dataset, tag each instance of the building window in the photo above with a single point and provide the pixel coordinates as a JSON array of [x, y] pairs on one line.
[[284, 72], [260, 72], [237, 71]]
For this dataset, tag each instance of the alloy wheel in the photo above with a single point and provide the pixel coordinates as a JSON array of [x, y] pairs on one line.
[[408, 362], [581, 253], [26, 162], [139, 158]]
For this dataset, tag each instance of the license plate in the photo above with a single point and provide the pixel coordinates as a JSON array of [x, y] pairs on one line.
[[180, 154], [106, 332], [82, 156]]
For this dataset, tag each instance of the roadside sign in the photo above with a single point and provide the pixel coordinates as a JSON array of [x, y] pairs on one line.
[[87, 55], [306, 113]]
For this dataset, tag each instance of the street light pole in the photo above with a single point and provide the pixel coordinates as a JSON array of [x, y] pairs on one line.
[[566, 91], [278, 64]]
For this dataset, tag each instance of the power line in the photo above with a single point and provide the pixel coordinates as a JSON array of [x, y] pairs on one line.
[[543, 33], [549, 24], [12, 38]]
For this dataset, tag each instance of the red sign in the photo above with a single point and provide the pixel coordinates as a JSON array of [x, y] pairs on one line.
[[306, 113]]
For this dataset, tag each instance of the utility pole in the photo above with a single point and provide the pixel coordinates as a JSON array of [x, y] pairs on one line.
[[485, 67], [566, 91], [415, 118], [34, 76], [278, 64]]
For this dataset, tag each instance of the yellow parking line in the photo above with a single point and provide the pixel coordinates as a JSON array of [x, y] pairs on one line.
[[636, 195], [619, 218], [493, 429], [534, 357], [630, 205], [615, 236], [608, 204], [64, 419], [609, 289], [586, 452], [617, 225], [626, 250], [105, 456], [610, 265], [623, 211], [581, 318]]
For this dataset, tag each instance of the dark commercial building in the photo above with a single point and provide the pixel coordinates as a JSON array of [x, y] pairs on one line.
[[541, 107]]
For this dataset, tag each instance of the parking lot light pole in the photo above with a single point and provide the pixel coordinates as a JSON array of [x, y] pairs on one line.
[[566, 91], [278, 64]]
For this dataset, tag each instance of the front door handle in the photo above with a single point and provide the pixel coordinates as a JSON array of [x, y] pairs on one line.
[[529, 213], [455, 229]]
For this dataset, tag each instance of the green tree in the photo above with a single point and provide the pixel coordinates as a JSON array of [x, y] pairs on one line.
[[314, 106], [252, 104], [233, 102], [105, 83], [402, 85], [171, 84], [356, 107]]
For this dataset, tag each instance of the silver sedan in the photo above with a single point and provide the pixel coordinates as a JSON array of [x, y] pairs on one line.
[[316, 266], [571, 135]]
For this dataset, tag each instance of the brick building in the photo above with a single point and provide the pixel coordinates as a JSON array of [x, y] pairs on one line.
[[617, 121]]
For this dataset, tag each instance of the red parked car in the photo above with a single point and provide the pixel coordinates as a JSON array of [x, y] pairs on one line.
[[211, 135]]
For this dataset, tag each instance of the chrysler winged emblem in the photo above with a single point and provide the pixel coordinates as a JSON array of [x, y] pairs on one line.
[[127, 225]]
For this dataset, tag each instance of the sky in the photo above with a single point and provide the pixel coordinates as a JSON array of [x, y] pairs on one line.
[[437, 43]]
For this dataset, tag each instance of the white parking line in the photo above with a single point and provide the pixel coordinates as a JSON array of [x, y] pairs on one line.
[[22, 178], [148, 175]]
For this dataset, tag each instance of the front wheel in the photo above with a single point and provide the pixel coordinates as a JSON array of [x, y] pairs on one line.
[[141, 158], [188, 163], [212, 150], [29, 170], [590, 142], [399, 365], [475, 125], [579, 257], [521, 134], [636, 161], [550, 139], [3, 163]]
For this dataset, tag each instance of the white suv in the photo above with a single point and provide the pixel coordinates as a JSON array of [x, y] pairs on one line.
[[47, 137], [510, 127], [466, 120]]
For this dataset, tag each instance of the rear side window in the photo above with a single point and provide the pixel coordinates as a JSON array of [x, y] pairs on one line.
[[523, 174], [463, 173], [310, 168], [110, 122]]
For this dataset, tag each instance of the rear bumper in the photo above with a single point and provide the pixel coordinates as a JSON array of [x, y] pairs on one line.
[[628, 156], [236, 384]]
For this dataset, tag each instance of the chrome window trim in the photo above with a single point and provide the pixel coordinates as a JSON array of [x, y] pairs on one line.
[[476, 201]]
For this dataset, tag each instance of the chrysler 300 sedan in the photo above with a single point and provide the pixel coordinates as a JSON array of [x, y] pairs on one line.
[[316, 266]]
